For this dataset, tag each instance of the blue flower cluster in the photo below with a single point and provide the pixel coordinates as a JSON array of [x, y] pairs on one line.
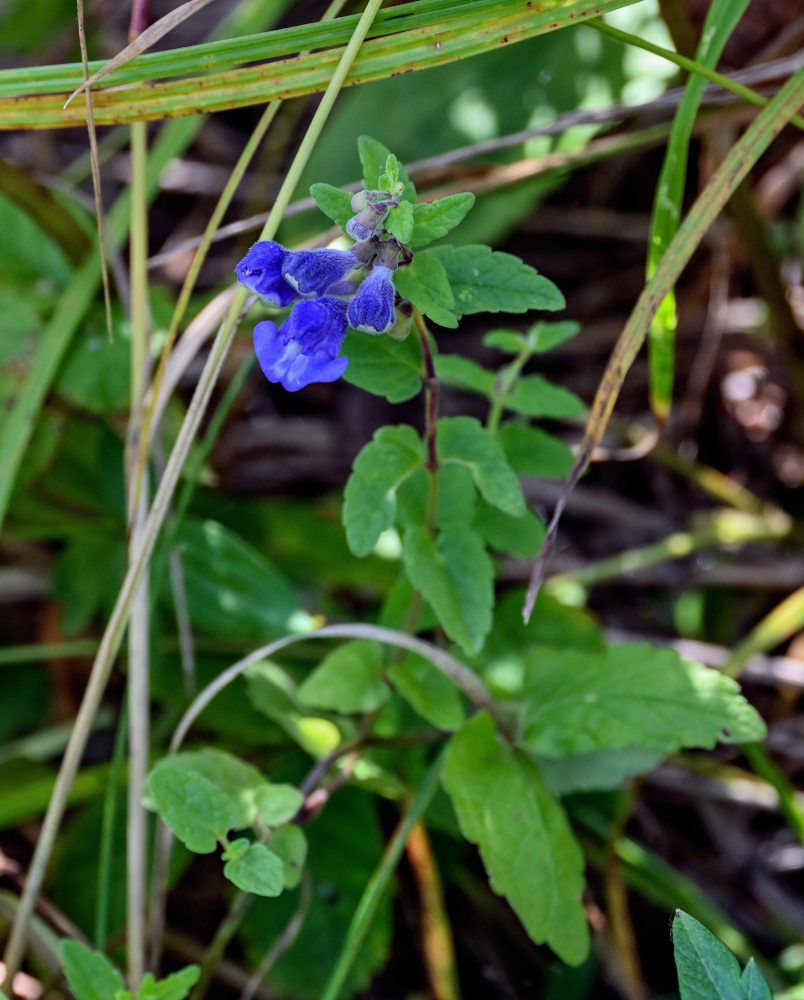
[[331, 290]]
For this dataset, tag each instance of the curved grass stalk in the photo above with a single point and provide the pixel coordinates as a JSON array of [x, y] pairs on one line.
[[731, 172], [113, 635], [474, 29]]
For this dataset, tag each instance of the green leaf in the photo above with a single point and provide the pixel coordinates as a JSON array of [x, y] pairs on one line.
[[465, 440], [383, 366], [424, 282], [232, 589], [486, 280], [534, 452], [754, 985], [399, 222], [455, 575], [506, 340], [456, 496], [530, 854], [454, 369], [602, 769], [534, 396], [707, 970], [90, 975], [290, 844], [428, 692], [373, 158], [277, 803], [333, 202], [432, 220], [348, 680], [257, 870], [94, 374], [173, 987], [630, 696], [195, 809], [520, 536], [370, 497], [544, 336]]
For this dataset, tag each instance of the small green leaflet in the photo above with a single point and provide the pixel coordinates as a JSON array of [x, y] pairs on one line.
[[534, 396], [454, 369], [373, 158], [399, 222], [634, 695], [383, 366], [173, 987], [707, 970], [432, 220], [196, 810], [424, 282], [348, 680], [486, 280], [533, 452], [428, 692], [370, 496], [466, 441], [255, 868], [333, 202], [520, 536], [277, 803], [754, 985], [530, 854], [290, 844], [455, 576], [90, 975]]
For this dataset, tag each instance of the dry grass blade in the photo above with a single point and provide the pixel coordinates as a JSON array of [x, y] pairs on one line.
[[742, 156], [141, 43]]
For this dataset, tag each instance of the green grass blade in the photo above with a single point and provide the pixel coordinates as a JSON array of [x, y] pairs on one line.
[[721, 19], [418, 41]]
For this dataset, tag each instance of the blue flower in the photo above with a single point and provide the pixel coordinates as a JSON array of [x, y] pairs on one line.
[[372, 308], [305, 347], [314, 272], [261, 272]]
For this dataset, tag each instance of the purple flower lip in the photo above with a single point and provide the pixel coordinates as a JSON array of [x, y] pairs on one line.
[[261, 272], [372, 308], [314, 272], [305, 347]]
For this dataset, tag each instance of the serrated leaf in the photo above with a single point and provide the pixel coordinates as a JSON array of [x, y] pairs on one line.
[[456, 496], [424, 282], [196, 810], [370, 496], [383, 366], [373, 158], [455, 575], [519, 536], [258, 870], [277, 803], [753, 982], [601, 770], [290, 844], [465, 440], [173, 987], [505, 340], [544, 336], [399, 222], [432, 220], [333, 202], [428, 692], [486, 280], [349, 679], [630, 695], [535, 396], [454, 369], [530, 854], [90, 975], [533, 452], [707, 970]]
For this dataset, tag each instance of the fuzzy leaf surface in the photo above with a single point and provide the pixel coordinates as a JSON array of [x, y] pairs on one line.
[[333, 202], [632, 695], [195, 809], [379, 470], [399, 222], [464, 440], [432, 220], [754, 985], [455, 576], [707, 970], [486, 280], [383, 366], [373, 157], [257, 870], [424, 282], [526, 843]]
